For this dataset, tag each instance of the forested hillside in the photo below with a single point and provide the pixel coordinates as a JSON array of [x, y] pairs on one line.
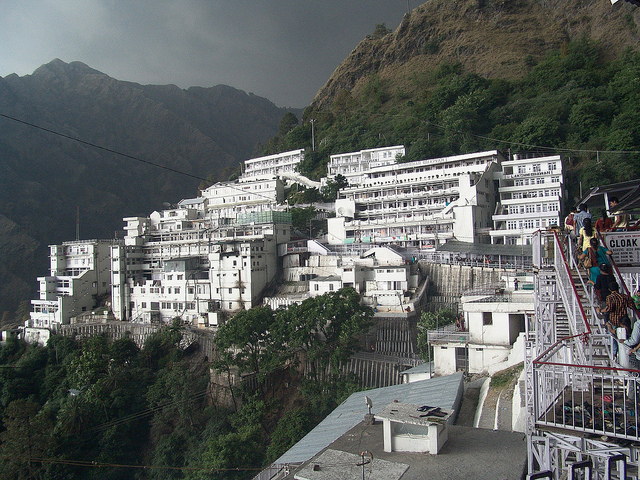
[[456, 77], [572, 102], [109, 410]]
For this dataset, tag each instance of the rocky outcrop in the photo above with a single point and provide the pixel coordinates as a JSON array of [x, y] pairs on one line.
[[493, 38]]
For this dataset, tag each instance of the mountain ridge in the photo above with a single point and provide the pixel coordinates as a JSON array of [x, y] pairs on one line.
[[487, 37]]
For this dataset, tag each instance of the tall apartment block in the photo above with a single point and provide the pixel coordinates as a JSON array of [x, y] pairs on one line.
[[419, 204], [79, 274], [530, 198]]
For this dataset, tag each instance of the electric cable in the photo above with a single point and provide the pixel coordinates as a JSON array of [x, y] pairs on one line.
[[125, 155], [509, 142], [86, 463], [100, 147]]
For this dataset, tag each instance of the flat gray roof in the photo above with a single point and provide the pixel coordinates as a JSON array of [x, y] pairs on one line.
[[456, 246], [444, 392], [336, 465], [469, 453], [408, 413]]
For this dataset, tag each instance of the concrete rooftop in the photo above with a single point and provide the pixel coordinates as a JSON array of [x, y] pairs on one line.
[[470, 453], [444, 392]]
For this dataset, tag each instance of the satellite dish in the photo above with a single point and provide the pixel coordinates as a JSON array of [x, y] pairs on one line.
[[369, 403], [341, 210]]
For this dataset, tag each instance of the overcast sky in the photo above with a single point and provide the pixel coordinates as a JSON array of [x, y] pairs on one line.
[[283, 50]]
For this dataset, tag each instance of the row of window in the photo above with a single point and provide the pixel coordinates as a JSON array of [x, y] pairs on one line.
[[530, 223], [522, 182], [534, 208], [168, 305], [551, 192], [537, 167], [161, 290]]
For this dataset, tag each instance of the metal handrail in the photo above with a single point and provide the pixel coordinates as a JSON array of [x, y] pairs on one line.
[[564, 272], [434, 336], [587, 398]]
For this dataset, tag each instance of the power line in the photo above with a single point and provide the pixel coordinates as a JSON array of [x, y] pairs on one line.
[[125, 155], [508, 142], [86, 463], [147, 412], [100, 147], [539, 147], [94, 464]]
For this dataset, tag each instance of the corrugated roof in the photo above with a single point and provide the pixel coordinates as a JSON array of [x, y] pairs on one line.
[[191, 201], [627, 192], [442, 392]]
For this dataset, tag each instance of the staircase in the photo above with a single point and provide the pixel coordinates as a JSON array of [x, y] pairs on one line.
[[582, 406], [562, 329]]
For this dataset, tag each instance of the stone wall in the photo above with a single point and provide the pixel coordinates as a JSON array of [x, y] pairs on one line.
[[449, 281]]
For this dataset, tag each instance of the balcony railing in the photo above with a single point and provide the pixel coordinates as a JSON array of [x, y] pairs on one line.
[[443, 336], [595, 400]]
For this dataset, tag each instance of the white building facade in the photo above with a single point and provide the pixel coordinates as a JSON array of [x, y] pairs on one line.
[[531, 191], [419, 204], [208, 256], [271, 166], [353, 165], [79, 274], [493, 338]]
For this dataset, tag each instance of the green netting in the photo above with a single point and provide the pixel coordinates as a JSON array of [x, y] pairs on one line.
[[265, 217]]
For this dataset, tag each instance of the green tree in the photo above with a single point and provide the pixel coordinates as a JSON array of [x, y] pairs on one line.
[[25, 440], [432, 321], [289, 122], [232, 455], [301, 218], [162, 348], [381, 30], [178, 399], [325, 327], [252, 341], [333, 186], [290, 429]]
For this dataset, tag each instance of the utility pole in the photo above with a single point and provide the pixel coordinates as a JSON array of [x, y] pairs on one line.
[[313, 134]]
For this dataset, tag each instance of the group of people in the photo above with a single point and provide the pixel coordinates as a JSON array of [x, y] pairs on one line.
[[612, 304], [580, 217], [581, 227]]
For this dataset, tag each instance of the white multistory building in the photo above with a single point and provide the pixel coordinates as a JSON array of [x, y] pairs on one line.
[[271, 166], [493, 331], [419, 204], [79, 274], [382, 276], [211, 254], [531, 192], [216, 254], [354, 165]]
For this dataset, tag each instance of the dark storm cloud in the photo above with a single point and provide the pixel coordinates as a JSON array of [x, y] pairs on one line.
[[280, 49]]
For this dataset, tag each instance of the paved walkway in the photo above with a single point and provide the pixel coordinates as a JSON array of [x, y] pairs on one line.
[[496, 411]]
